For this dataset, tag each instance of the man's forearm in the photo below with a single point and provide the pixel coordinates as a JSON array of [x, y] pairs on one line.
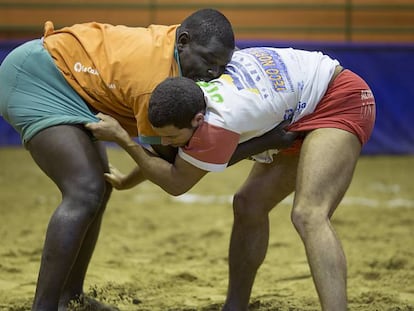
[[247, 149], [276, 138], [154, 168], [134, 178]]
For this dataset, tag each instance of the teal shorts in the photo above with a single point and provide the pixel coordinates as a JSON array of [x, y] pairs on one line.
[[34, 95]]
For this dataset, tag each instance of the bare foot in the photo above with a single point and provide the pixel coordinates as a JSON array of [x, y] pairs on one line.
[[85, 303]]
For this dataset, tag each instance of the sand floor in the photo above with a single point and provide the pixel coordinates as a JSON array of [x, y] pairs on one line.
[[158, 252]]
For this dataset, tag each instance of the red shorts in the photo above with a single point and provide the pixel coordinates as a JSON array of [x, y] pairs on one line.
[[348, 104]]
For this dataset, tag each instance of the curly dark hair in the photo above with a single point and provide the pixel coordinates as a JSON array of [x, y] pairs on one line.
[[175, 101], [205, 24]]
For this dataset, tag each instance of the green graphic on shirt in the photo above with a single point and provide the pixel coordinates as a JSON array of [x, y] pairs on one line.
[[212, 91]]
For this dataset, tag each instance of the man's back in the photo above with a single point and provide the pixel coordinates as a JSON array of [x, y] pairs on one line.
[[261, 88], [112, 67]]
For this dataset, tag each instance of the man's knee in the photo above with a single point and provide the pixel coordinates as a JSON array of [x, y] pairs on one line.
[[89, 198], [246, 207], [307, 218]]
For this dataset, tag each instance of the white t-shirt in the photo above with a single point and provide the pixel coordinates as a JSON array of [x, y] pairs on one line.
[[260, 88]]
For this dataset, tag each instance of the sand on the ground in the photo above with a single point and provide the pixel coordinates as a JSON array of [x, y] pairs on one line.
[[158, 252]]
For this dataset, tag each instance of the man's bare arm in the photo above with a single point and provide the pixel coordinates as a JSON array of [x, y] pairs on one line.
[[122, 181], [175, 178], [276, 138]]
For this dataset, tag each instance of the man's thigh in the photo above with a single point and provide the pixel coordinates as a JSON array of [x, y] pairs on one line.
[[327, 161], [270, 183], [67, 152]]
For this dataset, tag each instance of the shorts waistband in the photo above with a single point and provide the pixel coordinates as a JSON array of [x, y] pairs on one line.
[[337, 71]]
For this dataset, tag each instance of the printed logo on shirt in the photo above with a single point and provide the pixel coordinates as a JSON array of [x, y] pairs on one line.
[[289, 113], [212, 90], [242, 74], [78, 67], [274, 68]]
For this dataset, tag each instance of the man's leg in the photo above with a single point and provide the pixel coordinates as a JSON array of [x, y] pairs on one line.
[[327, 162], [69, 157], [266, 186], [74, 284]]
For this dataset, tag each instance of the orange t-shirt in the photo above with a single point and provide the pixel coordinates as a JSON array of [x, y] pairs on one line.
[[115, 68]]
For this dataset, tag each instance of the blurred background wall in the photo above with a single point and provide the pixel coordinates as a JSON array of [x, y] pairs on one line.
[[375, 38]]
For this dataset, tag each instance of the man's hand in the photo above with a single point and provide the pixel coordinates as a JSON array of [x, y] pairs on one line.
[[107, 129], [278, 138], [116, 178], [122, 181]]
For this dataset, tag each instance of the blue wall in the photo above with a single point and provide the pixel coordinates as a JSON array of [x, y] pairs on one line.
[[388, 69]]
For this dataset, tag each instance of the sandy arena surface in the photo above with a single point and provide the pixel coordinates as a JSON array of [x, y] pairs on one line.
[[158, 252]]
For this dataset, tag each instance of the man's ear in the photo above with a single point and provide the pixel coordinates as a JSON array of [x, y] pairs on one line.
[[197, 120], [183, 39]]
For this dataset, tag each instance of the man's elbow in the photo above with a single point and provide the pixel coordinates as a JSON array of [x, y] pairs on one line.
[[177, 189]]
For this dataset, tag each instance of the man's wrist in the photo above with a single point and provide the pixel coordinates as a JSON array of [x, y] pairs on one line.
[[126, 142]]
